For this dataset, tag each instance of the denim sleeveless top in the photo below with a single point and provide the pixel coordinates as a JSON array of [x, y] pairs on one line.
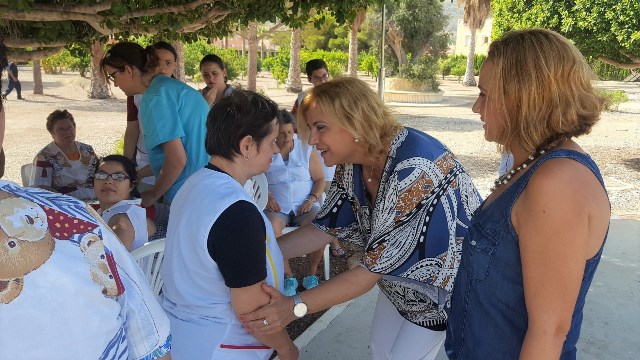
[[488, 317]]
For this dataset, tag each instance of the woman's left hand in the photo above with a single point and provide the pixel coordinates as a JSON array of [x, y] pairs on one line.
[[148, 198], [278, 313], [305, 207]]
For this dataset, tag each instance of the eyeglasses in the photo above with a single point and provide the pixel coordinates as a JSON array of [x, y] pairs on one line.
[[101, 175], [322, 77], [111, 75]]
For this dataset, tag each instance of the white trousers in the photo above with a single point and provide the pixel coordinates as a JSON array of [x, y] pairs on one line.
[[395, 338]]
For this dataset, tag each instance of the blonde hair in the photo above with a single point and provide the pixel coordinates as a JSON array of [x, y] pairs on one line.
[[355, 107], [542, 87]]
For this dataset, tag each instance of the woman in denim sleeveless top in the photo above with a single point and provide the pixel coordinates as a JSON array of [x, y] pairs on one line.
[[533, 246]]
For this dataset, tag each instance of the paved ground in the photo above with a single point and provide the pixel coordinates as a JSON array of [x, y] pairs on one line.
[[611, 317]]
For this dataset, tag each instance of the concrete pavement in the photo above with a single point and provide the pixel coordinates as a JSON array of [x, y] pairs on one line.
[[610, 329]]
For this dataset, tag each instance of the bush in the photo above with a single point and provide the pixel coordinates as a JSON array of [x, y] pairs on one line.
[[63, 60], [608, 72], [194, 52], [453, 64], [423, 72], [613, 98], [278, 65], [369, 63]]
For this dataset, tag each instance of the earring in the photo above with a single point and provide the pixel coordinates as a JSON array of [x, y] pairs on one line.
[[356, 140], [246, 157]]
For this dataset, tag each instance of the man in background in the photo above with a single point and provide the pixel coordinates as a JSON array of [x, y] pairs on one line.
[[12, 75]]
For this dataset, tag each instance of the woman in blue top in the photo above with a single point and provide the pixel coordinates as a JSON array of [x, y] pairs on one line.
[[172, 113], [400, 194], [534, 245]]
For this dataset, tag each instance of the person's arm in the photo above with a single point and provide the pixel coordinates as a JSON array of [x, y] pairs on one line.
[[145, 171], [175, 159], [122, 227], [132, 131], [317, 175], [2, 125], [552, 221], [250, 298], [42, 173], [279, 312]]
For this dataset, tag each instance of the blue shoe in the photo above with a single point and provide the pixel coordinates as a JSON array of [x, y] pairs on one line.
[[311, 281], [290, 286]]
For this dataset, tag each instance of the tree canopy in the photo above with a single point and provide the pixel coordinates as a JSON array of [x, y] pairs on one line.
[[44, 26], [608, 30]]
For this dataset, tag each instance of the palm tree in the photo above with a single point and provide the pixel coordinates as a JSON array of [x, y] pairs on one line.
[[476, 13]]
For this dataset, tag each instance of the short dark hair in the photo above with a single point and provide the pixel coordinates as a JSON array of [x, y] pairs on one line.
[[285, 117], [240, 114], [131, 54], [163, 45], [129, 168], [315, 64], [53, 118]]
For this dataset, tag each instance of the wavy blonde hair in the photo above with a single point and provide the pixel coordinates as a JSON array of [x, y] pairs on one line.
[[542, 88], [355, 107]]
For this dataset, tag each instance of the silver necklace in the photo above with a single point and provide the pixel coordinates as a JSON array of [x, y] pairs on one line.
[[506, 177]]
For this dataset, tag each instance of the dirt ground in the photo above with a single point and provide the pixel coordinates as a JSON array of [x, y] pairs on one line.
[[614, 142]]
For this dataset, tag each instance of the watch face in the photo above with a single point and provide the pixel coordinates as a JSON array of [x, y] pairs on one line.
[[300, 310]]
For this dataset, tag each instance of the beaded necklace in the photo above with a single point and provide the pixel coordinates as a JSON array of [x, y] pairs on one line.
[[506, 177]]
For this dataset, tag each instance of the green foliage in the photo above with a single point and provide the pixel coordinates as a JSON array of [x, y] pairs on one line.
[[118, 148], [325, 33], [607, 72], [421, 21], [614, 98], [194, 52], [278, 66], [423, 72], [59, 62], [337, 61], [369, 64], [457, 65], [599, 28]]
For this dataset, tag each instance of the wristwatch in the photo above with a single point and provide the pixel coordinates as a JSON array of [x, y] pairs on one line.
[[299, 308]]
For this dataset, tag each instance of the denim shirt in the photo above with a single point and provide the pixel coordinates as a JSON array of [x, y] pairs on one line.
[[488, 318]]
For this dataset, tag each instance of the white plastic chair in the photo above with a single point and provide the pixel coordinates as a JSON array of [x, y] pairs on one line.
[[25, 173], [149, 256]]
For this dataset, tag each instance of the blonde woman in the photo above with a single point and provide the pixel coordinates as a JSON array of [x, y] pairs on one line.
[[533, 247], [401, 195]]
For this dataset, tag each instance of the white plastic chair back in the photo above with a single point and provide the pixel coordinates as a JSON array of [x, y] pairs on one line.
[[25, 173], [149, 256], [258, 189]]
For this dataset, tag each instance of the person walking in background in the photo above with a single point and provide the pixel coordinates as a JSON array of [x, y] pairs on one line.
[[14, 83], [534, 245], [401, 195], [173, 117], [214, 75]]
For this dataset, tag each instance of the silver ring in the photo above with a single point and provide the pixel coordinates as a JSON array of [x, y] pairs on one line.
[[265, 322]]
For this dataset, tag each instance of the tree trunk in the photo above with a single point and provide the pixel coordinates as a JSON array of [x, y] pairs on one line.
[[99, 86], [294, 84], [252, 71], [469, 78], [353, 43], [179, 73], [37, 78]]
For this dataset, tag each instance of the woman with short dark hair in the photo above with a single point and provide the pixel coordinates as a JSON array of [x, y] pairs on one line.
[[220, 247], [65, 165], [173, 117]]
